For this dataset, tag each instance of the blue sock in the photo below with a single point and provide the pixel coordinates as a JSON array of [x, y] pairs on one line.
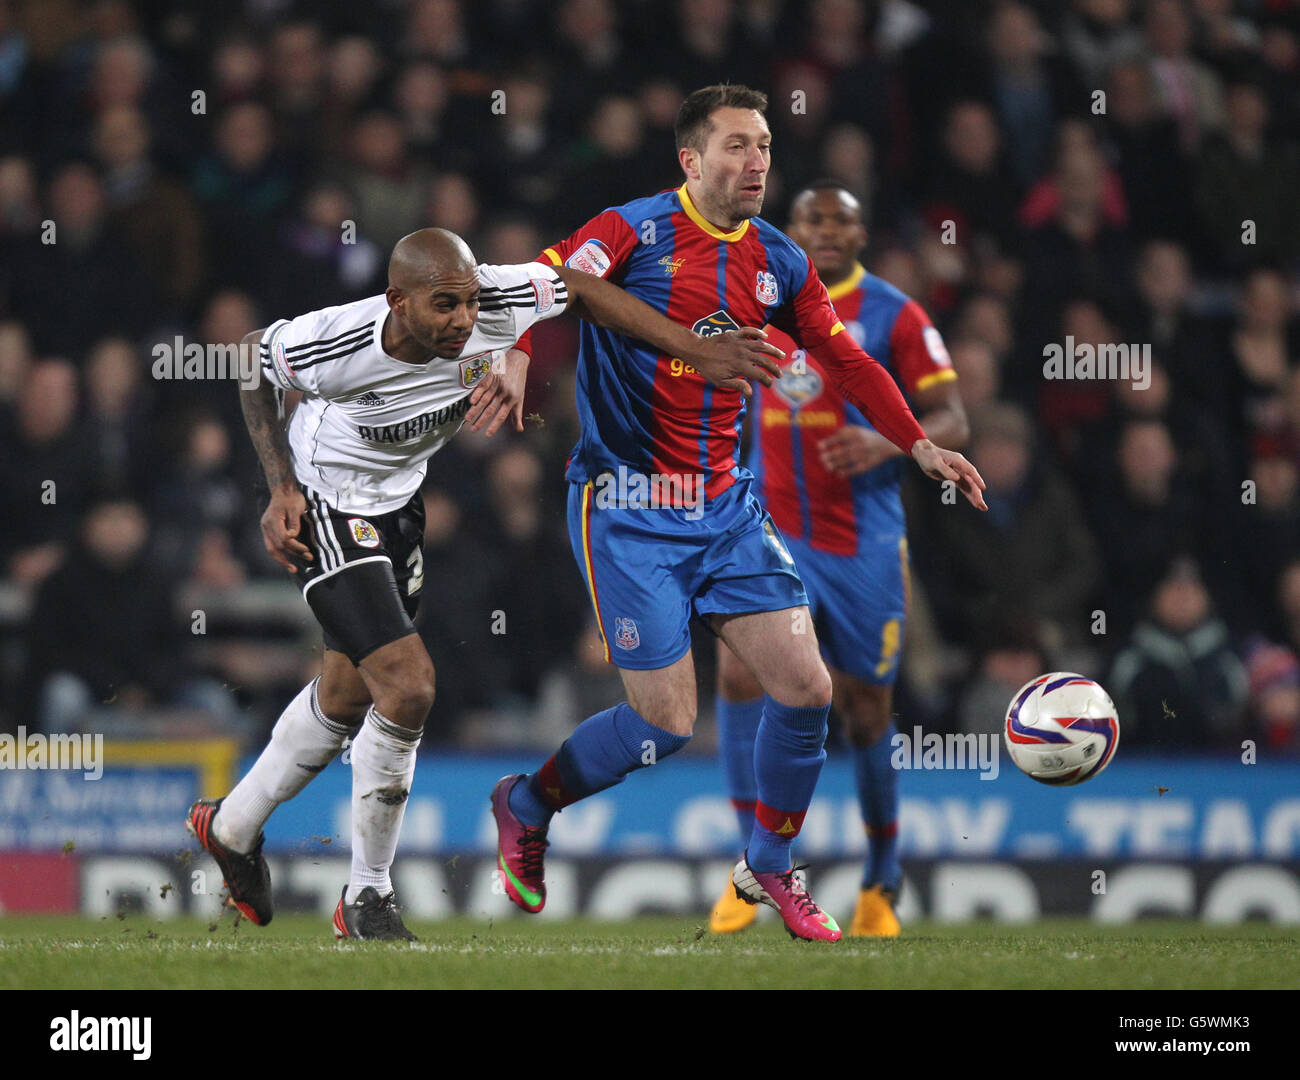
[[737, 730], [788, 757], [602, 750], [878, 795]]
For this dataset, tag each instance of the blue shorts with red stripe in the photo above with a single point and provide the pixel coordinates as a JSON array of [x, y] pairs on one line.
[[647, 569], [858, 604]]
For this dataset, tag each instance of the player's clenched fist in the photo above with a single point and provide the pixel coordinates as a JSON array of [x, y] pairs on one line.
[[280, 526], [731, 359]]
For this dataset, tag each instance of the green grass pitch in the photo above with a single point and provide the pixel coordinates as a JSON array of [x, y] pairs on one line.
[[298, 952]]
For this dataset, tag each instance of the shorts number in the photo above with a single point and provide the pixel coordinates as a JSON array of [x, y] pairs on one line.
[[888, 647], [416, 580]]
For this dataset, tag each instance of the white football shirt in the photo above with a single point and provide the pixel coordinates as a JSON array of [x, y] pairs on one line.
[[368, 423]]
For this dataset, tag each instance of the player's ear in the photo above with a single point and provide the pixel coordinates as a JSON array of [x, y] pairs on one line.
[[394, 298], [689, 159]]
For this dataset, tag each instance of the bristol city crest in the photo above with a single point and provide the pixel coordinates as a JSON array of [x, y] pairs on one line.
[[766, 290], [473, 368]]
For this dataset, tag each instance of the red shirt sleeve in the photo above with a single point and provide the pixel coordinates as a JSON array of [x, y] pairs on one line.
[[600, 247], [919, 354], [811, 321]]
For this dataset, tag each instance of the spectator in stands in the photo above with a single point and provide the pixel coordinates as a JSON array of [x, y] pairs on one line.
[[327, 257], [16, 361], [1029, 90], [614, 150], [457, 618], [197, 492], [81, 258], [977, 368], [590, 51], [1149, 155], [421, 100], [296, 73], [1189, 90], [1182, 341], [1077, 242], [541, 608], [118, 418], [153, 213], [1274, 674], [971, 183], [244, 187], [454, 204], [1177, 682], [103, 630], [389, 187], [20, 215], [45, 473], [1098, 34], [1261, 343], [353, 72], [1031, 556], [1267, 532], [849, 156], [522, 166], [1245, 185], [1144, 520], [1014, 656]]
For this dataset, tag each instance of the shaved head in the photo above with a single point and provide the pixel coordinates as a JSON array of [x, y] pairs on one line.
[[422, 258], [432, 294]]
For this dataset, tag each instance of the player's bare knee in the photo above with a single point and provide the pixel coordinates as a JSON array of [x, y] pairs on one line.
[[343, 708], [679, 717], [806, 689], [413, 695]]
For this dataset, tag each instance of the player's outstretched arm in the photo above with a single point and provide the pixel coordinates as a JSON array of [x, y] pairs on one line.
[[727, 360], [283, 517], [852, 449]]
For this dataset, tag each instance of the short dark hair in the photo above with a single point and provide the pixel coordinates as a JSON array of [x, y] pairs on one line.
[[693, 117]]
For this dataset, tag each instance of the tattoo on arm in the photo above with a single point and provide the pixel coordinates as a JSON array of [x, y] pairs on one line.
[[266, 429]]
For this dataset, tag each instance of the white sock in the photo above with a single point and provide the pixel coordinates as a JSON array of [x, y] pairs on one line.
[[303, 742], [383, 766]]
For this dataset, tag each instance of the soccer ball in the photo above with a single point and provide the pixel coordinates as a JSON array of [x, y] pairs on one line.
[[1061, 728]]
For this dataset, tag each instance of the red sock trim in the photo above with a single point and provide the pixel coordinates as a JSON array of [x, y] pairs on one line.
[[743, 804], [885, 831], [785, 823], [551, 787]]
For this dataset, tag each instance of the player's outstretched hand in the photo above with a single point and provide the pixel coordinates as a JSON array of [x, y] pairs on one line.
[[499, 395], [940, 464], [731, 359], [280, 526]]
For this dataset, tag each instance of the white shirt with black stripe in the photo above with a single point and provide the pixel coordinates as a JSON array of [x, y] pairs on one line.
[[368, 422]]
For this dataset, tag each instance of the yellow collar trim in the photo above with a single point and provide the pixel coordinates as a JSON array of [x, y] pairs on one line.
[[703, 223], [843, 288]]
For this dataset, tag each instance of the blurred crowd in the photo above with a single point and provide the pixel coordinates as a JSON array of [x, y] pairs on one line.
[[1098, 171]]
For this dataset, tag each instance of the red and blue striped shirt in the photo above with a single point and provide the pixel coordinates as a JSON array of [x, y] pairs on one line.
[[651, 413]]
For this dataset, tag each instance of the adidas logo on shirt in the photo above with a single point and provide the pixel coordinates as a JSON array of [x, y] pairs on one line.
[[370, 398]]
